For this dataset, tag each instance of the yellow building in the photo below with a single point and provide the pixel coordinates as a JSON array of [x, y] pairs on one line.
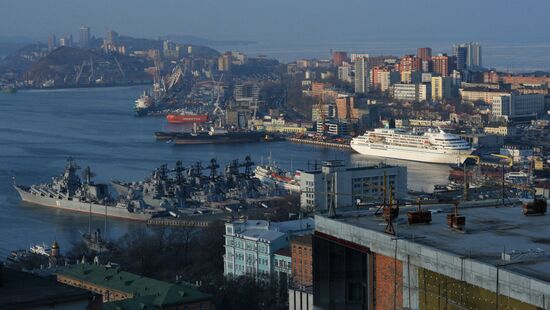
[[441, 87]]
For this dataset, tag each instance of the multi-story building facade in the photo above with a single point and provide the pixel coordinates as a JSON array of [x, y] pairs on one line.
[[468, 56], [250, 245], [410, 63], [484, 95], [345, 73], [518, 105], [410, 92], [424, 53], [362, 72], [302, 261], [85, 37], [338, 58], [351, 185], [441, 87], [441, 64]]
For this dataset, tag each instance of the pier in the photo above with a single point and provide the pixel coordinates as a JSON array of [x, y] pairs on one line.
[[181, 222], [320, 143]]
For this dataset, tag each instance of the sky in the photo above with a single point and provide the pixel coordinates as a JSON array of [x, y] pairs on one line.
[[285, 20]]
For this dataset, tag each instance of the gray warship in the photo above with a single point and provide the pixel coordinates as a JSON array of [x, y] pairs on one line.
[[68, 192], [182, 187]]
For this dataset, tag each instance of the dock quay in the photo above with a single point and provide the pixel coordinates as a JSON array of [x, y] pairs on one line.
[[181, 222], [320, 143]]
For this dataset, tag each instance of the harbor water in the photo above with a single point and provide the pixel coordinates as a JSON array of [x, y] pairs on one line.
[[39, 129]]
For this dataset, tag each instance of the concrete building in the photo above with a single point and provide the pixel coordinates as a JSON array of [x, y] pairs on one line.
[[224, 62], [85, 37], [468, 56], [441, 87], [441, 64], [128, 290], [282, 265], [362, 79], [410, 92], [344, 106], [498, 261], [518, 105], [424, 53], [250, 245], [300, 299], [345, 73], [500, 130], [388, 78], [352, 185], [410, 63], [333, 127], [338, 58], [478, 94]]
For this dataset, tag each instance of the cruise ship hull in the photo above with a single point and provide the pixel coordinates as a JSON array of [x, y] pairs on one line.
[[78, 206], [420, 155]]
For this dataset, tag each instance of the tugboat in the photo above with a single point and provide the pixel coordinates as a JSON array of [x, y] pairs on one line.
[[144, 104], [67, 192]]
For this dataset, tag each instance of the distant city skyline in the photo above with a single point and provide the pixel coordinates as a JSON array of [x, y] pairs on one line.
[[285, 20]]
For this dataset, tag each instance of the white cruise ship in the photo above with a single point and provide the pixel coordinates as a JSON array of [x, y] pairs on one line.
[[433, 146]]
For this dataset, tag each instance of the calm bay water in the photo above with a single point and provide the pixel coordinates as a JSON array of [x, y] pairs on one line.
[[40, 129]]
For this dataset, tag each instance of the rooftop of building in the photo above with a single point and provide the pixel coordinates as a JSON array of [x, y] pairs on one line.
[[341, 165], [270, 231], [284, 252], [302, 240], [20, 290], [154, 292], [490, 231]]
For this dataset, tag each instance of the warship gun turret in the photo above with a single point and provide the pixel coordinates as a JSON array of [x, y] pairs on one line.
[[68, 192]]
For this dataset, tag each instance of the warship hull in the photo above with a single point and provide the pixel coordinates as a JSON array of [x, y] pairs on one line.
[[230, 137], [79, 206]]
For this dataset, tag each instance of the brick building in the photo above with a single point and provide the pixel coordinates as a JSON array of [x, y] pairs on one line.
[[338, 58], [302, 260], [410, 63]]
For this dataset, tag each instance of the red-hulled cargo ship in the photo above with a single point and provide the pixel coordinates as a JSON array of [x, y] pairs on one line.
[[186, 118]]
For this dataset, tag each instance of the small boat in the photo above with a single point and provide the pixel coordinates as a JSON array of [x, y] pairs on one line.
[[42, 249]]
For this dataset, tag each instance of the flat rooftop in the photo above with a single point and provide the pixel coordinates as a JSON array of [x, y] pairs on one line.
[[489, 232]]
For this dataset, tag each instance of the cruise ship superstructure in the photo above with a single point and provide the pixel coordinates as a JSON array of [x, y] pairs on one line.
[[432, 146]]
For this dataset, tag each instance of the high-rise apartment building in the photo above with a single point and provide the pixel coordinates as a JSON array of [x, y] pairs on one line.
[[410, 63], [441, 87], [468, 56], [441, 64], [338, 58], [85, 37], [424, 53], [362, 72]]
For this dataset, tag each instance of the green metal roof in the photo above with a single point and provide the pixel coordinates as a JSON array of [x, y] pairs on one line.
[[146, 291]]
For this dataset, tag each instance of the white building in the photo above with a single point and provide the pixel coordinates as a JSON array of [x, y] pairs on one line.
[[344, 73], [518, 105], [250, 245], [411, 92], [352, 185]]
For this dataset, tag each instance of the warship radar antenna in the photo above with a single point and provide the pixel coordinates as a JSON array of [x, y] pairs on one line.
[[87, 174], [213, 168]]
